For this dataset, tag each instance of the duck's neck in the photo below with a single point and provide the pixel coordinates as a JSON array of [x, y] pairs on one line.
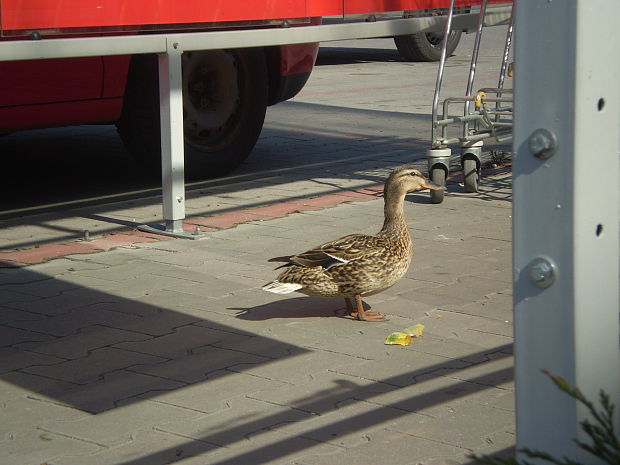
[[394, 224]]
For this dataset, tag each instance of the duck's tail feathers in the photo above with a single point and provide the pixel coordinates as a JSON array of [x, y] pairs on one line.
[[278, 287]]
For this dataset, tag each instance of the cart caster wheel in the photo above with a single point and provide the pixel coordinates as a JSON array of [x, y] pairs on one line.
[[470, 174], [438, 176]]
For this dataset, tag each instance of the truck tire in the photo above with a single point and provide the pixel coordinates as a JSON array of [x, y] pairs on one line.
[[426, 46], [224, 104]]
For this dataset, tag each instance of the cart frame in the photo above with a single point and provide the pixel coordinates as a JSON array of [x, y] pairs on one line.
[[476, 126]]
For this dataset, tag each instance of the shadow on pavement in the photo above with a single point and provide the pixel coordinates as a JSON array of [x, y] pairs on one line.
[[330, 55], [91, 350], [63, 343], [328, 401]]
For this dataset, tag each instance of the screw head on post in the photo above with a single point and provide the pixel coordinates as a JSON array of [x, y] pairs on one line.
[[543, 143], [542, 272]]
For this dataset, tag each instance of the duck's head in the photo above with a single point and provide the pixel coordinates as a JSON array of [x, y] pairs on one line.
[[404, 180]]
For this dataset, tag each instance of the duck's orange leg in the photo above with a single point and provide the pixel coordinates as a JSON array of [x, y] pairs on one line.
[[361, 314]]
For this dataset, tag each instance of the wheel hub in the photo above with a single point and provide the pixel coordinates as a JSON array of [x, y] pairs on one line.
[[211, 94]]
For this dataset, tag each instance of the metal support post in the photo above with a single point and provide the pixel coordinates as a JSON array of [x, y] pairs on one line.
[[172, 143], [565, 231], [172, 150]]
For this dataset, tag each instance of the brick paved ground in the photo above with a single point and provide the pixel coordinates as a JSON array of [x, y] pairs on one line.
[[138, 350], [169, 350]]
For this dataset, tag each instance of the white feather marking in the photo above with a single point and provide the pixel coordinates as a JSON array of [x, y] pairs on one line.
[[340, 259], [278, 287]]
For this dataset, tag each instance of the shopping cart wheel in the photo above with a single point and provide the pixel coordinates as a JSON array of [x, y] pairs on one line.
[[470, 174], [438, 176]]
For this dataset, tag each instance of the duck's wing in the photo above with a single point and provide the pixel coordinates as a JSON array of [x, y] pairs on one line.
[[331, 253]]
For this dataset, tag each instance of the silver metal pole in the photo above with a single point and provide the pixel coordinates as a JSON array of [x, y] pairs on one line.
[[565, 213], [507, 46], [474, 62], [504, 68], [172, 141], [440, 71], [172, 149]]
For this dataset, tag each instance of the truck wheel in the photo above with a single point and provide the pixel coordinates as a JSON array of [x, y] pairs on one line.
[[224, 104], [425, 46]]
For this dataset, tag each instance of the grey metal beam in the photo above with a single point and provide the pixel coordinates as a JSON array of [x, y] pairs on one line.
[[565, 213]]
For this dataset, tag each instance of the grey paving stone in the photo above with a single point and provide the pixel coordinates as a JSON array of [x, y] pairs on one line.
[[182, 341], [496, 306], [80, 344], [17, 384], [268, 447], [19, 276], [11, 316], [400, 367], [324, 393], [423, 392], [496, 372], [62, 303], [13, 299], [45, 287], [71, 322], [199, 364], [485, 340], [350, 424], [111, 389], [118, 426], [145, 448], [93, 366], [459, 423], [12, 359], [40, 446], [396, 305], [27, 414], [314, 362], [215, 392], [14, 336], [213, 289], [394, 447]]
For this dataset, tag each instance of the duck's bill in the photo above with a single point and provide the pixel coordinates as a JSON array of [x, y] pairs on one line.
[[432, 186]]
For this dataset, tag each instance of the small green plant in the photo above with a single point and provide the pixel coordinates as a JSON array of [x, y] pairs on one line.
[[603, 444]]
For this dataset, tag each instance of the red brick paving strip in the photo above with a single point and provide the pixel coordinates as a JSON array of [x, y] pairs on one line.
[[224, 220], [45, 252], [49, 251]]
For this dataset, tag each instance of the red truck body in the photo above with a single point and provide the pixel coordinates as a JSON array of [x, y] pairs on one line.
[[17, 15], [222, 120]]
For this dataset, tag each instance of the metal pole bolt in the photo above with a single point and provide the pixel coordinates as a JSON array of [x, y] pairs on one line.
[[543, 143], [542, 272]]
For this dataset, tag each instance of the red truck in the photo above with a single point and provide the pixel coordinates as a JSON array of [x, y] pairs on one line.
[[225, 92]]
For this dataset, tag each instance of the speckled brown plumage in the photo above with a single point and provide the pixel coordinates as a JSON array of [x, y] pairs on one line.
[[357, 265]]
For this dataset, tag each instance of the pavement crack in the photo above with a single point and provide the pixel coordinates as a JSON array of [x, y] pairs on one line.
[[185, 436], [179, 406], [426, 438], [296, 409], [73, 437]]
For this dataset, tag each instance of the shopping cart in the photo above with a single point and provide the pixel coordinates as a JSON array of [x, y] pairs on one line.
[[487, 113]]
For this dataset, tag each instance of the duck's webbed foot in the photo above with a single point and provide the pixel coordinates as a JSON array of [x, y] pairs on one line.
[[361, 314]]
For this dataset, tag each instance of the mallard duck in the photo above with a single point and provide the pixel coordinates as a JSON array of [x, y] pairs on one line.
[[357, 265]]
